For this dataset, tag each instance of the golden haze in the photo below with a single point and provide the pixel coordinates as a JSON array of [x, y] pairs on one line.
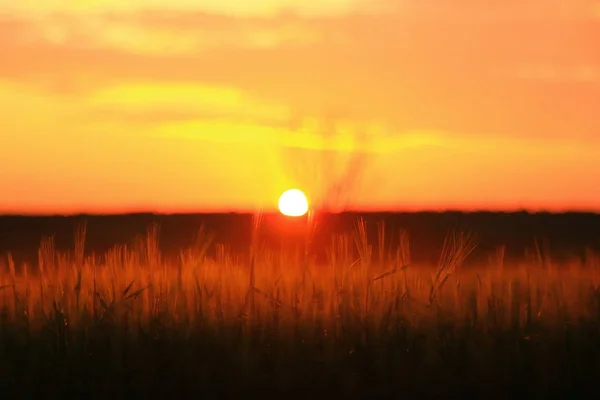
[[190, 106]]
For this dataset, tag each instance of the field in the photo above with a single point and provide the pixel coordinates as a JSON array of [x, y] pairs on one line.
[[364, 322]]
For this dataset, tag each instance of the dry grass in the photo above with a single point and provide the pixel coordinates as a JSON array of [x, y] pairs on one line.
[[351, 282], [354, 301]]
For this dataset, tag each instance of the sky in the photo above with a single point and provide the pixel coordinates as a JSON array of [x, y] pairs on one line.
[[198, 105]]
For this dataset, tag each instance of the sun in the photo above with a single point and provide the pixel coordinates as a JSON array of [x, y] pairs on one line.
[[293, 203]]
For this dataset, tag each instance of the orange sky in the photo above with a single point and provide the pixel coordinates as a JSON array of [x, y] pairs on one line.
[[195, 105]]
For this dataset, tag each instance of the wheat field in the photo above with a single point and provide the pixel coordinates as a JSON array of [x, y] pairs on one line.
[[367, 322]]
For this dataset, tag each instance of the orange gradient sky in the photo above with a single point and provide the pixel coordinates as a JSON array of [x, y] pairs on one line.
[[198, 105]]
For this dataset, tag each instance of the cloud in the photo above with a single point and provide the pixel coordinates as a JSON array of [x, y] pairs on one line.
[[219, 100], [169, 33], [396, 69], [229, 7]]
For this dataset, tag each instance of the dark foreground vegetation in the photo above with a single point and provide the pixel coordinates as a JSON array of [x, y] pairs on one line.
[[367, 323]]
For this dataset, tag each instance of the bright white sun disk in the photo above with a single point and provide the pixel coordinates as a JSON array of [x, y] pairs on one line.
[[293, 203]]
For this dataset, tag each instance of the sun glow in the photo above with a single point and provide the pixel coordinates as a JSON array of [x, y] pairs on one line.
[[293, 203]]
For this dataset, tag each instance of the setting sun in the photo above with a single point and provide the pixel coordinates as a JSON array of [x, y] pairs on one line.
[[293, 203]]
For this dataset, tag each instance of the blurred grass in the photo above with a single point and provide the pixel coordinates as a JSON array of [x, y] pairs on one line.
[[367, 323]]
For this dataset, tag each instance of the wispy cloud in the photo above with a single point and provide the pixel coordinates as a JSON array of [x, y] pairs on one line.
[[257, 8]]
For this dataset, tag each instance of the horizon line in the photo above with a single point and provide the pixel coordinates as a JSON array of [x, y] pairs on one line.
[[270, 212]]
